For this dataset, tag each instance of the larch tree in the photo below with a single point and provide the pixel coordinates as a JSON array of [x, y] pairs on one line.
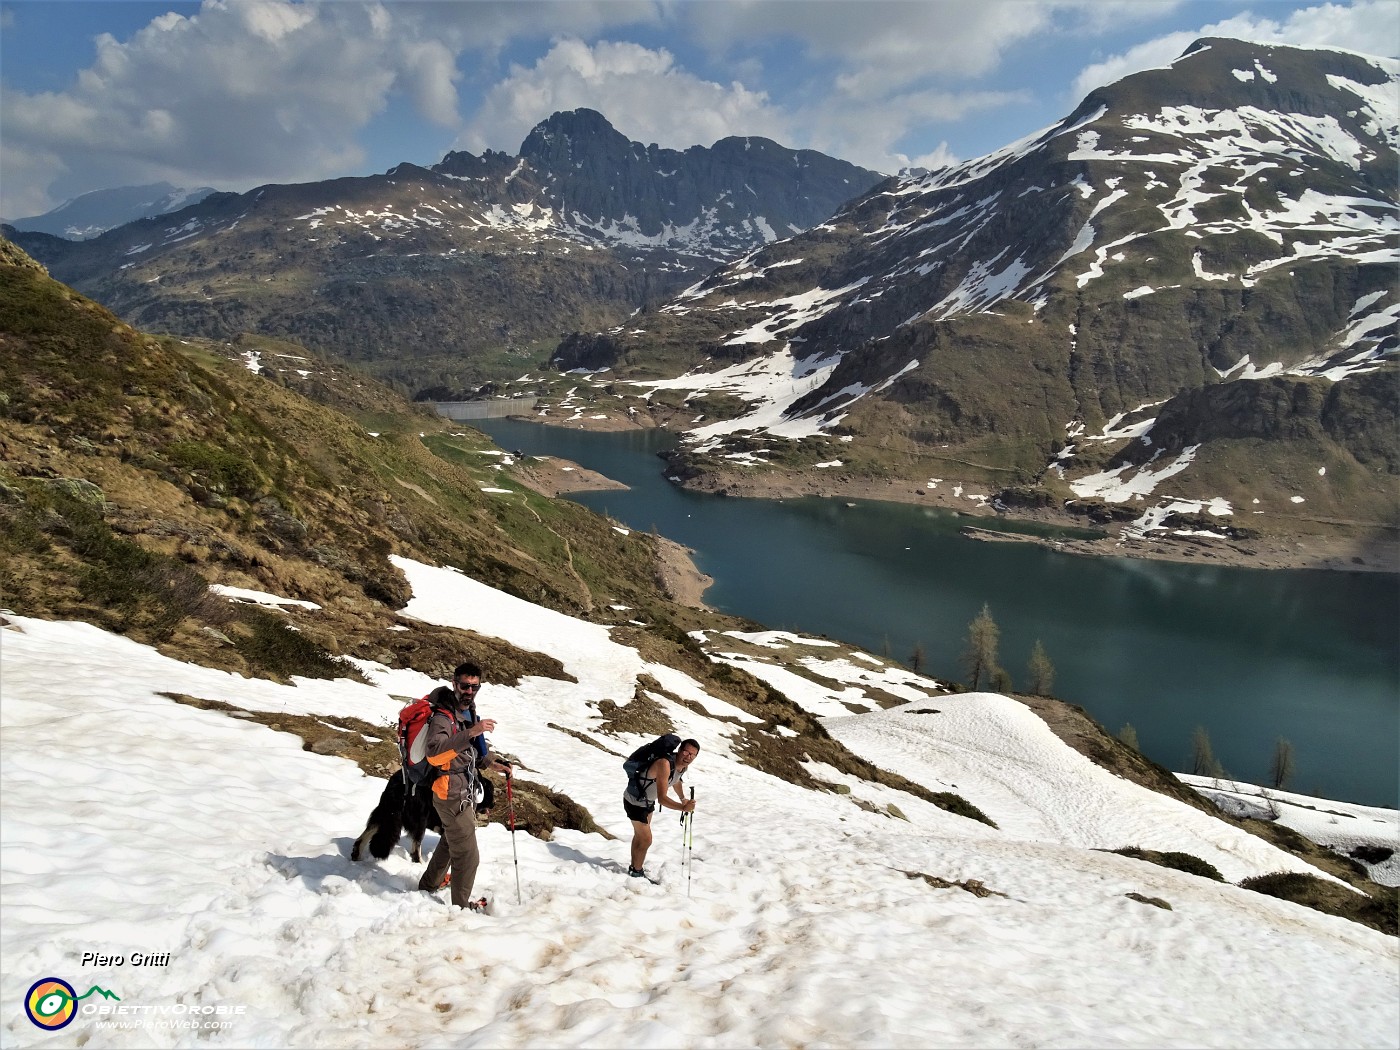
[[1040, 672], [980, 654], [1281, 768], [1203, 761]]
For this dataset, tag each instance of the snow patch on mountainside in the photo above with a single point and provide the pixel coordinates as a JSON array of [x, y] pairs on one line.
[[1155, 518], [1129, 481], [792, 312], [980, 290], [770, 383]]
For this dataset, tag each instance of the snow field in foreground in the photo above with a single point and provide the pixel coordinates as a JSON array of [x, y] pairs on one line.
[[131, 822]]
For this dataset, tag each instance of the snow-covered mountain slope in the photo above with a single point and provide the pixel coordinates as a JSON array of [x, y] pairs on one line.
[[1228, 224], [851, 915], [590, 184], [473, 256], [576, 180], [1339, 828], [90, 214]]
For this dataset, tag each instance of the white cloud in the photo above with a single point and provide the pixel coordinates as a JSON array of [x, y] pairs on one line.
[[236, 94], [250, 91], [879, 45], [1368, 26], [939, 157], [489, 25], [1154, 54], [273, 22], [253, 91], [648, 97], [429, 72], [891, 70], [26, 174], [868, 133], [642, 92]]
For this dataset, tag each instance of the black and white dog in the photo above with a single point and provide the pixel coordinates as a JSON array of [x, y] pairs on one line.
[[408, 807]]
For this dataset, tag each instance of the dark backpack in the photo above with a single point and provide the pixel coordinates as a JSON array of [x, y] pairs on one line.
[[641, 759]]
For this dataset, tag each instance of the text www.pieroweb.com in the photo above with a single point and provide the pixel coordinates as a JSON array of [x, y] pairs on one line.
[[183, 1024]]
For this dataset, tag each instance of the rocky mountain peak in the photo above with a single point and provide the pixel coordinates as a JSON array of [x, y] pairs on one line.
[[572, 135], [1217, 73], [716, 201], [489, 255]]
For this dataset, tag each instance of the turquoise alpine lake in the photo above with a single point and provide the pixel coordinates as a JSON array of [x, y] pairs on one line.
[[1250, 655]]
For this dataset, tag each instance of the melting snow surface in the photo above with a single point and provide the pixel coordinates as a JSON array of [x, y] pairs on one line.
[[242, 594], [794, 922]]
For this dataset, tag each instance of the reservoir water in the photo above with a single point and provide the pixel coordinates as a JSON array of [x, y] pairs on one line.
[[1250, 655]]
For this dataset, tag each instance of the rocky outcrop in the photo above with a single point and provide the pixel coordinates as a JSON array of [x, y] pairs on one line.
[[1358, 415], [591, 352]]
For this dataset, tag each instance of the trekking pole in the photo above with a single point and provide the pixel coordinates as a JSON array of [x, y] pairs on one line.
[[690, 845], [685, 824], [510, 804]]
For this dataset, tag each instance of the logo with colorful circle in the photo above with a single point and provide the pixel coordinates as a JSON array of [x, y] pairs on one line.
[[52, 1003]]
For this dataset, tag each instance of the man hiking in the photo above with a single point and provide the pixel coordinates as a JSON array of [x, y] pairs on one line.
[[457, 750], [651, 787]]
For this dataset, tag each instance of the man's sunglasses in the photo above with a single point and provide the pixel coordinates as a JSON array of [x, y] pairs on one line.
[[468, 687]]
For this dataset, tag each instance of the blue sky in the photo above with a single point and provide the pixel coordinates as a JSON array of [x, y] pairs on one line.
[[236, 93]]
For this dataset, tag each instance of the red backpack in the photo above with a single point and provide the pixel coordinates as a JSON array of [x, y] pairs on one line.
[[413, 741]]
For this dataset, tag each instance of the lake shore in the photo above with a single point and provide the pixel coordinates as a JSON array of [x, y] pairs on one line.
[[552, 476], [1334, 551], [1332, 546], [678, 575], [676, 570]]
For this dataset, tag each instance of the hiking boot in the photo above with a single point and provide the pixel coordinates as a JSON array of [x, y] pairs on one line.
[[636, 873], [478, 905]]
